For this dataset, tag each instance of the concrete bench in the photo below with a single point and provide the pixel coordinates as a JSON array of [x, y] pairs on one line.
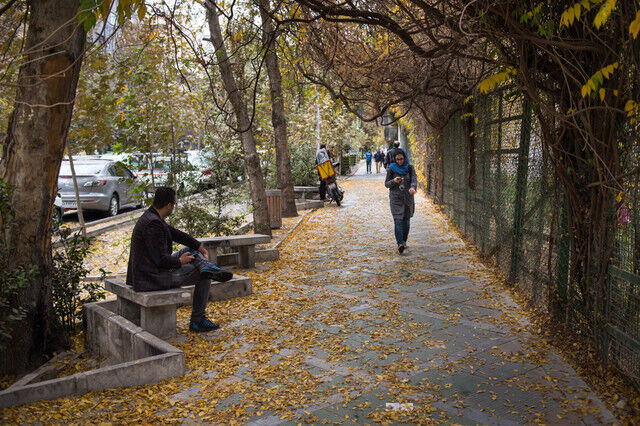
[[307, 191], [155, 311], [246, 245]]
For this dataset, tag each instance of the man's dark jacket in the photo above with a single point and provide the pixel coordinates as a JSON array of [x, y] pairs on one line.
[[391, 156], [150, 260]]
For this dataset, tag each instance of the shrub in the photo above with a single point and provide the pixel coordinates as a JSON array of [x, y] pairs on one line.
[[203, 214], [69, 292], [303, 165]]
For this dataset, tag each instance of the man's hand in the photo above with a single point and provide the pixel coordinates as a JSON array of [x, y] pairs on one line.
[[412, 191], [185, 258], [397, 179], [204, 251]]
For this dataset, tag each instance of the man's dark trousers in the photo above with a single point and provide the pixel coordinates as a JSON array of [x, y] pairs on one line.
[[323, 189], [189, 274]]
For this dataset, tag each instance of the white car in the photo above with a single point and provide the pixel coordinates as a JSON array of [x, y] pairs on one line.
[[198, 160], [185, 179]]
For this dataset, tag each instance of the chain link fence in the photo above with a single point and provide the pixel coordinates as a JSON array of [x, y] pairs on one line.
[[623, 291], [499, 189]]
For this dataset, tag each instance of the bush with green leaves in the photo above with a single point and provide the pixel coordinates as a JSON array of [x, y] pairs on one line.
[[203, 214], [303, 165], [196, 218], [12, 279], [69, 291]]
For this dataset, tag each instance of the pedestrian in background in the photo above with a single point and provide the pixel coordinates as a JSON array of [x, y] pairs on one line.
[[368, 159], [390, 158], [402, 183], [378, 157]]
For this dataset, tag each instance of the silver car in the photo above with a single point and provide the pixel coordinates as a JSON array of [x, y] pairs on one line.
[[103, 185]]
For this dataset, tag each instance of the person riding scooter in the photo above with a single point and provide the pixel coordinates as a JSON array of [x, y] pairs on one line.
[[322, 156], [327, 175]]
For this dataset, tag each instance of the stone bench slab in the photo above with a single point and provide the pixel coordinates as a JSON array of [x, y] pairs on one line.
[[307, 191], [155, 311], [235, 240], [246, 245], [175, 296]]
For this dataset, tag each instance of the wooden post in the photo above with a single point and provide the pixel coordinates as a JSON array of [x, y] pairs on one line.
[[75, 187]]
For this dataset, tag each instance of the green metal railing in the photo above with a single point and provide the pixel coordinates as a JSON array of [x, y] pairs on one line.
[[515, 214]]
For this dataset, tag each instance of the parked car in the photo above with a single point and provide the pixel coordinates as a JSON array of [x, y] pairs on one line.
[[185, 174], [200, 163], [58, 211], [103, 185]]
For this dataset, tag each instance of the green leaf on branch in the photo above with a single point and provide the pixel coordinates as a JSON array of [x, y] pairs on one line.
[[573, 13], [90, 10], [87, 13], [597, 80], [490, 83], [634, 28], [632, 108], [603, 14]]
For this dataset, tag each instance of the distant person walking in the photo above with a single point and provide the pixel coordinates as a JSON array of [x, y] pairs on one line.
[[378, 157], [402, 183], [390, 158], [368, 157]]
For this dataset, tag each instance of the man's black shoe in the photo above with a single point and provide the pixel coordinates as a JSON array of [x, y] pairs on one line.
[[203, 326], [212, 272]]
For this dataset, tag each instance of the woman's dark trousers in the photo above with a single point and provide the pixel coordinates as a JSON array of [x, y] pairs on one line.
[[188, 274], [401, 228]]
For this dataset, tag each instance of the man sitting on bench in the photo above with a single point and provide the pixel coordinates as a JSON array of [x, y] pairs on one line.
[[153, 267]]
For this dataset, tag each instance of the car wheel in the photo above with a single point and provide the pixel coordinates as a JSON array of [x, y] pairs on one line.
[[114, 206], [336, 196]]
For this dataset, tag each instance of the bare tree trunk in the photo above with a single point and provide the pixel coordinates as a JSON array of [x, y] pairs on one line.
[[278, 118], [252, 167], [32, 152]]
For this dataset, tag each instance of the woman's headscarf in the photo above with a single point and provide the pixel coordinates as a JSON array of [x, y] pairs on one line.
[[396, 168]]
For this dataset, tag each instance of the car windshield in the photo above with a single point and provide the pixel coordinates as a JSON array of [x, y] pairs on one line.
[[82, 169], [161, 167]]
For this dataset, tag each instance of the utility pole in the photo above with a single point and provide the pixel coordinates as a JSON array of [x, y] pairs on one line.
[[75, 187], [317, 119]]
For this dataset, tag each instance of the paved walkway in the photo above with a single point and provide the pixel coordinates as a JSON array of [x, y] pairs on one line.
[[343, 329]]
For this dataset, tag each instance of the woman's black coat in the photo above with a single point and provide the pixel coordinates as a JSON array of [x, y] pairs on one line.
[[399, 197]]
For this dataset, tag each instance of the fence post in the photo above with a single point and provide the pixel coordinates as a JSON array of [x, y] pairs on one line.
[[486, 179], [521, 190], [562, 266]]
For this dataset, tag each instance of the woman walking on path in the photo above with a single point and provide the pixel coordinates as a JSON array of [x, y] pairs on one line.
[[402, 183], [368, 158]]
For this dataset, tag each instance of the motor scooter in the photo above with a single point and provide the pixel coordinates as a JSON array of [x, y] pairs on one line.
[[329, 175]]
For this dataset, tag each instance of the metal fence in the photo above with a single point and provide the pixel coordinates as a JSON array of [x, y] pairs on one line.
[[500, 191]]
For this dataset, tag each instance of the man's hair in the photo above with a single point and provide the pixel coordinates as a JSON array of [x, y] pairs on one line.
[[396, 144], [323, 146], [163, 196]]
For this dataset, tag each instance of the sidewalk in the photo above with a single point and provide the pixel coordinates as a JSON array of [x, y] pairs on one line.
[[343, 329]]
